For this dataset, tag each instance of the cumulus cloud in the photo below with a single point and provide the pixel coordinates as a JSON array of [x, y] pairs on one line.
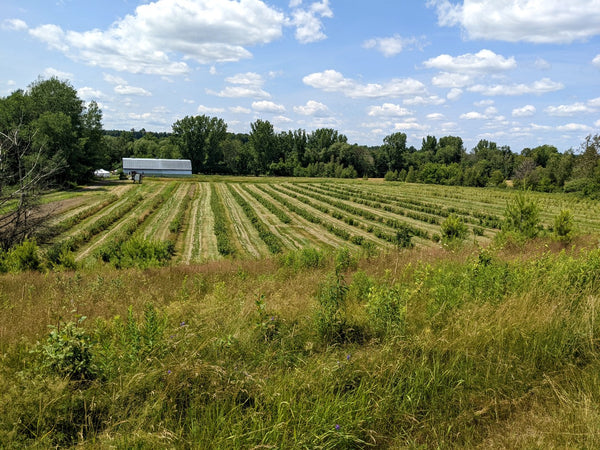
[[13, 25], [484, 61], [594, 103], [51, 72], [247, 84], [388, 110], [239, 110], [436, 116], [548, 21], [160, 36], [575, 127], [525, 111], [333, 81], [452, 80], [391, 46], [568, 110], [312, 108], [596, 61], [88, 93], [454, 94], [308, 23], [542, 86], [424, 101], [209, 110], [124, 89], [473, 115], [267, 107]]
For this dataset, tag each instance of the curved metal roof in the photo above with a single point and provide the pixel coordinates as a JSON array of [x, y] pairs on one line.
[[157, 164]]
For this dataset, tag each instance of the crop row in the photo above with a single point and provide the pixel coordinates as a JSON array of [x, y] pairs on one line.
[[177, 222], [281, 215], [358, 195], [273, 242], [341, 233], [369, 216], [65, 225], [220, 223]]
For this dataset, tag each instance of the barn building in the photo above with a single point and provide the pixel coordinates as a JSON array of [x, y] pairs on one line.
[[158, 167]]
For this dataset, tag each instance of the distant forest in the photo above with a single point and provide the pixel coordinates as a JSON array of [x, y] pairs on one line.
[[56, 125]]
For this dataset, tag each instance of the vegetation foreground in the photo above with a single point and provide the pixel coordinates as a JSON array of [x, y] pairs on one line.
[[313, 349]]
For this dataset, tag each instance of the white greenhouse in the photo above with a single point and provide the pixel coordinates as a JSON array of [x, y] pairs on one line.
[[158, 167]]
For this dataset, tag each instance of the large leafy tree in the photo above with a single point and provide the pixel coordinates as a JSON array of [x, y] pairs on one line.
[[200, 140], [264, 144]]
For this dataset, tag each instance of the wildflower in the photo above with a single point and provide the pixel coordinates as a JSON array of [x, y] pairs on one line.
[[347, 357], [168, 372], [182, 323], [337, 427]]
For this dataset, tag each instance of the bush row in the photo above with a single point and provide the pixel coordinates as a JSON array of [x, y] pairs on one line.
[[281, 215], [273, 242], [221, 223]]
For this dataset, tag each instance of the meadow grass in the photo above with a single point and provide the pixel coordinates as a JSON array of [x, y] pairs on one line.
[[428, 347]]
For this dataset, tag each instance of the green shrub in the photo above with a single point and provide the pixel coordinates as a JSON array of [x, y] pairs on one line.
[[331, 320], [68, 351], [24, 256], [306, 258], [453, 229], [564, 227], [386, 310], [522, 216]]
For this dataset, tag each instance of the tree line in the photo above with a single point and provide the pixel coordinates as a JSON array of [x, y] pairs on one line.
[[64, 137]]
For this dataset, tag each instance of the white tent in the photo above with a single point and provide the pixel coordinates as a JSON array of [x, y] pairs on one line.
[[101, 173]]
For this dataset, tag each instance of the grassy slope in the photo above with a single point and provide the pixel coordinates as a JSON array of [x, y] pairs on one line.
[[490, 349]]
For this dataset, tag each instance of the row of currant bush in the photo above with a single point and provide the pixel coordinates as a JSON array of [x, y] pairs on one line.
[[75, 219], [343, 234], [221, 228], [73, 243], [281, 215], [124, 251], [384, 201], [400, 227], [273, 242], [177, 223]]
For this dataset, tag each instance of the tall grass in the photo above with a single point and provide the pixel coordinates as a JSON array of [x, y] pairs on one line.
[[429, 348]]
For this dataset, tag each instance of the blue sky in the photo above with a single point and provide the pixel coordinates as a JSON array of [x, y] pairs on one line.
[[518, 72]]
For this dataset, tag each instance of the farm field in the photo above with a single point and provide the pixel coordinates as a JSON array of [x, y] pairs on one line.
[[209, 219]]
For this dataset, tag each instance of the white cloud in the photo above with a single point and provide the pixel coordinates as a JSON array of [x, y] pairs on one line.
[[309, 27], [267, 106], [597, 123], [14, 25], [50, 72], [239, 110], [123, 89], [542, 64], [452, 80], [454, 94], [542, 86], [473, 115], [491, 110], [484, 103], [574, 127], [333, 81], [423, 101], [436, 116], [388, 110], [547, 21], [208, 110], [159, 36], [188, 101], [568, 110], [113, 79], [247, 84], [391, 46], [312, 108], [88, 93], [525, 111], [409, 125], [485, 61], [281, 119], [596, 61], [594, 103]]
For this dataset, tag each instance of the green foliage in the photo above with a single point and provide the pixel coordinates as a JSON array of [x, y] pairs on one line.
[[139, 252], [305, 258], [564, 227], [386, 309], [331, 324], [453, 229], [522, 216], [22, 257], [68, 351], [221, 226]]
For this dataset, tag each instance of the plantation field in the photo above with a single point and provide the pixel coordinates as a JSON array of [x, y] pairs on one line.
[[211, 218]]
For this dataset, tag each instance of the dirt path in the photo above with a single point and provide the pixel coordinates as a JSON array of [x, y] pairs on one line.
[[314, 232], [246, 235]]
